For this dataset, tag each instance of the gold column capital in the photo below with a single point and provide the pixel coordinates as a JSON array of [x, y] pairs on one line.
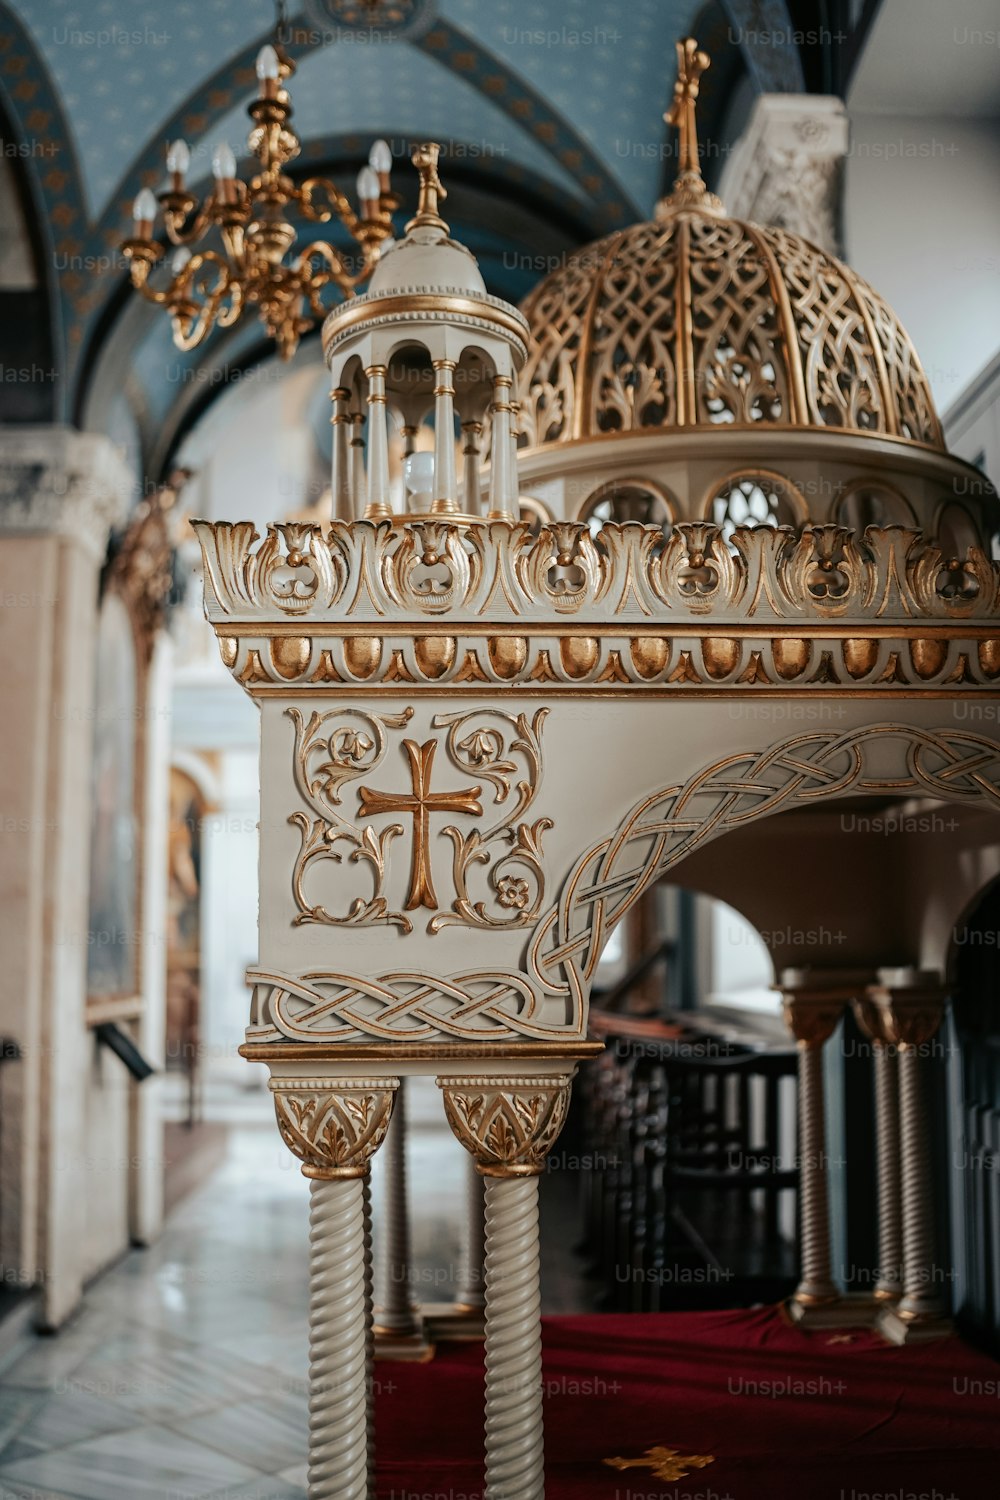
[[907, 1004], [814, 999], [509, 1125], [333, 1125]]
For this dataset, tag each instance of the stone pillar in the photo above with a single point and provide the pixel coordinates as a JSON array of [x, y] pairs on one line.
[[398, 1332], [334, 1126], [358, 483], [340, 462], [60, 493], [813, 1001], [910, 1003], [378, 507], [785, 168], [889, 1284], [445, 502], [472, 1288], [503, 470], [509, 1125], [472, 432]]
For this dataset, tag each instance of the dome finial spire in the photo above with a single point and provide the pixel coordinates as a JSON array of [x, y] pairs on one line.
[[432, 190], [689, 186]]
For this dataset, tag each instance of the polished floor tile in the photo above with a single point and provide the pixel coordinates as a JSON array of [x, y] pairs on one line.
[[147, 1463], [270, 1434], [69, 1415]]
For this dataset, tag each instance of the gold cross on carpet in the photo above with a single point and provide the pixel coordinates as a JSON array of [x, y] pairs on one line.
[[665, 1463], [420, 803]]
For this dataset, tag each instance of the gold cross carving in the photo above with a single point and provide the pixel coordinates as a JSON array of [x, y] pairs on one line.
[[691, 63], [420, 803], [665, 1463]]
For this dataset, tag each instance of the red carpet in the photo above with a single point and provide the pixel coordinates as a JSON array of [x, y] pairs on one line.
[[784, 1415]]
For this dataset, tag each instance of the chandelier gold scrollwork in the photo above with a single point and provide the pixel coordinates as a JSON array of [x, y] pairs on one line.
[[209, 288]]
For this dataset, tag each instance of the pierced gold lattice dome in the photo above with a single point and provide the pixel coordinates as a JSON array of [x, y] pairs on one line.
[[696, 320]]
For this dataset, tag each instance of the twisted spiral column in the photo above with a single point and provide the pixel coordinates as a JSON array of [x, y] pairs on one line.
[[509, 1126], [909, 1006], [921, 1298], [335, 1126], [813, 1002], [890, 1227], [366, 1188], [816, 1283], [514, 1441], [396, 1313], [338, 1355], [472, 1288]]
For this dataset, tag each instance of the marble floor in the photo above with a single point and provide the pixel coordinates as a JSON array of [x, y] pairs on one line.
[[184, 1374]]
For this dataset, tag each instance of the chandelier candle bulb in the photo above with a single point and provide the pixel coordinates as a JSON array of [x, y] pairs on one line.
[[380, 161], [368, 192], [223, 163], [178, 162], [268, 72], [144, 214], [179, 262]]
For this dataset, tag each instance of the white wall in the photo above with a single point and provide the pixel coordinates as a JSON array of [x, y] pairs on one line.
[[742, 971], [922, 224]]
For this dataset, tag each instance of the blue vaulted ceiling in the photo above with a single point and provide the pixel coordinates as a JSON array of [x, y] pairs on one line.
[[554, 104]]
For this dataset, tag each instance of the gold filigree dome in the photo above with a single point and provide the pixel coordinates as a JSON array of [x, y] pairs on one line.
[[697, 320]]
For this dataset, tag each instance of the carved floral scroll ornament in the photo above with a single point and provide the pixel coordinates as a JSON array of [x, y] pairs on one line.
[[508, 1125], [333, 750], [372, 571], [497, 871], [333, 1126]]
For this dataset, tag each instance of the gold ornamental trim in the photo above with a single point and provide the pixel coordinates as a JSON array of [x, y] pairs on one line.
[[494, 571], [507, 1124], [334, 1126], [430, 306], [862, 660]]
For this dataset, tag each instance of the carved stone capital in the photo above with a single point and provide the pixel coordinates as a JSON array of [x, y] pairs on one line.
[[55, 480], [871, 1020], [508, 1124], [784, 170], [333, 1125], [909, 1005]]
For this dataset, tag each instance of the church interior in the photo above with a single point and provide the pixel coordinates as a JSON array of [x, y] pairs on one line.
[[500, 865]]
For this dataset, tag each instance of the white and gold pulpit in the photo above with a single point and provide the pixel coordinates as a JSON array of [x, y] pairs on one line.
[[482, 742]]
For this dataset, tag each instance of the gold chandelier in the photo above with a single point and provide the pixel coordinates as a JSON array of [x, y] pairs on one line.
[[211, 288]]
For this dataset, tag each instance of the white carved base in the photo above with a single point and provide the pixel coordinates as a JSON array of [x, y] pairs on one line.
[[453, 1322], [897, 1330], [853, 1310]]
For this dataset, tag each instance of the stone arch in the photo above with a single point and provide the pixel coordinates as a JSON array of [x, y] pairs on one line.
[[668, 824]]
